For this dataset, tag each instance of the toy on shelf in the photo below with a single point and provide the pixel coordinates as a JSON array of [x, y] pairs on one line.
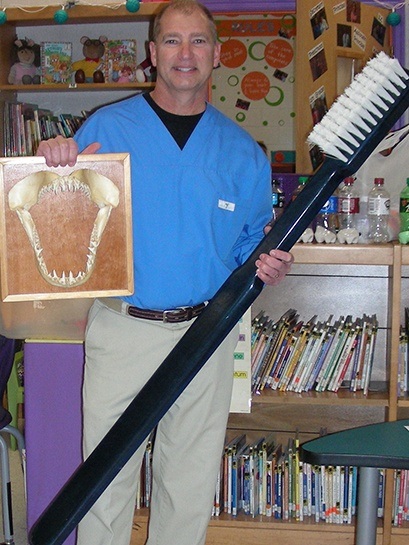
[[90, 68], [26, 61], [141, 75]]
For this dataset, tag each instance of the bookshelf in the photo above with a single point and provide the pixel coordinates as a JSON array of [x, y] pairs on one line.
[[375, 276], [83, 20]]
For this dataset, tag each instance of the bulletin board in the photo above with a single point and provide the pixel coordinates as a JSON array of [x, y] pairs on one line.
[[334, 41], [254, 84]]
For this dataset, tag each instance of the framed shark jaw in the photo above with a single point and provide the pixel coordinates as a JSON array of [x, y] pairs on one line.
[[76, 223], [30, 190]]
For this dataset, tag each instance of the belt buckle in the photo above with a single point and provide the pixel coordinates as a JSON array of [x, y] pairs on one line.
[[183, 313], [167, 313]]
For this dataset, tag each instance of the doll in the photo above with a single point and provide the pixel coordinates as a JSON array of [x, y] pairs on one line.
[[26, 62]]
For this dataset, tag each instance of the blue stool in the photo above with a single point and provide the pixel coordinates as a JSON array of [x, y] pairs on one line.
[[384, 445], [7, 349]]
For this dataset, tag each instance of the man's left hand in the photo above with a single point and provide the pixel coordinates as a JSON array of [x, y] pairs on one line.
[[273, 267]]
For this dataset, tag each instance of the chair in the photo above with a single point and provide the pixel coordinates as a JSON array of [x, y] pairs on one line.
[[371, 447], [15, 393], [7, 351]]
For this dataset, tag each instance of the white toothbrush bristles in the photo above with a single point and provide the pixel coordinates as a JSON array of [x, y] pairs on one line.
[[356, 112]]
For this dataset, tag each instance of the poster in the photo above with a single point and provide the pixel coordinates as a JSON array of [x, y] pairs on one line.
[[254, 84]]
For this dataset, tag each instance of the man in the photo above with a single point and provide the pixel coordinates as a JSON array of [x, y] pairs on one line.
[[201, 196]]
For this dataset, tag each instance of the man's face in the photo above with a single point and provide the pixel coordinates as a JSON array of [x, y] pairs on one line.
[[185, 53]]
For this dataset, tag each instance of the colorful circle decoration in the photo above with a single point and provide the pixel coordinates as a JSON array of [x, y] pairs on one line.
[[233, 53], [288, 21], [279, 96], [279, 53], [233, 80], [255, 85], [253, 55]]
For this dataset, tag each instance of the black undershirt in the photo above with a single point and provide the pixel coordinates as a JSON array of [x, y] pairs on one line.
[[179, 126]]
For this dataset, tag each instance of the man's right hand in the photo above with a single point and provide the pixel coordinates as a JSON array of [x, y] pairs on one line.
[[62, 151]]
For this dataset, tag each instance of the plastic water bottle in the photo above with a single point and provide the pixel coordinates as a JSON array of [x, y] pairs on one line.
[[348, 208], [379, 202], [278, 199], [404, 214], [327, 221], [302, 180]]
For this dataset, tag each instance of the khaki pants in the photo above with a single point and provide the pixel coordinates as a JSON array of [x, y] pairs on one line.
[[121, 355]]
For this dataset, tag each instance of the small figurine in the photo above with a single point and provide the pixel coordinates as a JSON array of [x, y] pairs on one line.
[[140, 74], [26, 61], [89, 69]]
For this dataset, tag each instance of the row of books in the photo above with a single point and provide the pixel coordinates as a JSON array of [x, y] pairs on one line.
[[268, 479], [401, 497], [143, 496], [25, 125], [403, 365], [295, 355], [118, 63]]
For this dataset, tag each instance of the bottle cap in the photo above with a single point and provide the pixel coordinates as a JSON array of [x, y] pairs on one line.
[[404, 237], [379, 181], [349, 180], [303, 179]]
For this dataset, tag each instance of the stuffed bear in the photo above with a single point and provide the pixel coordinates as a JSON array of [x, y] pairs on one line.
[[89, 69], [26, 61]]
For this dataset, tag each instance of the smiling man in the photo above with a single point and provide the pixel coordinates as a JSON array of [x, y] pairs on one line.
[[201, 197]]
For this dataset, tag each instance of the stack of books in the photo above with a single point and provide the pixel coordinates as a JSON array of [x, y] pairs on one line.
[[292, 355], [400, 510], [267, 478], [25, 125], [403, 366], [143, 496]]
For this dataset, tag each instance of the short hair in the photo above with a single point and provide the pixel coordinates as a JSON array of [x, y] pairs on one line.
[[187, 7]]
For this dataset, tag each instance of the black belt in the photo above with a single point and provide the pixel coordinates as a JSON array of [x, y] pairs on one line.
[[180, 314]]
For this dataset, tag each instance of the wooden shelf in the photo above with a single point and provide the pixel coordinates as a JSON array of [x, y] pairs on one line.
[[342, 397], [247, 530], [70, 88], [403, 401], [84, 14], [344, 254], [405, 254]]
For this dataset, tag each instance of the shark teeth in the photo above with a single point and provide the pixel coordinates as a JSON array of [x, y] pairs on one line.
[[29, 191], [63, 184], [66, 279]]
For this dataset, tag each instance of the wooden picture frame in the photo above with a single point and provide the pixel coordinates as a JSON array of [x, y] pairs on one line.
[[65, 232]]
